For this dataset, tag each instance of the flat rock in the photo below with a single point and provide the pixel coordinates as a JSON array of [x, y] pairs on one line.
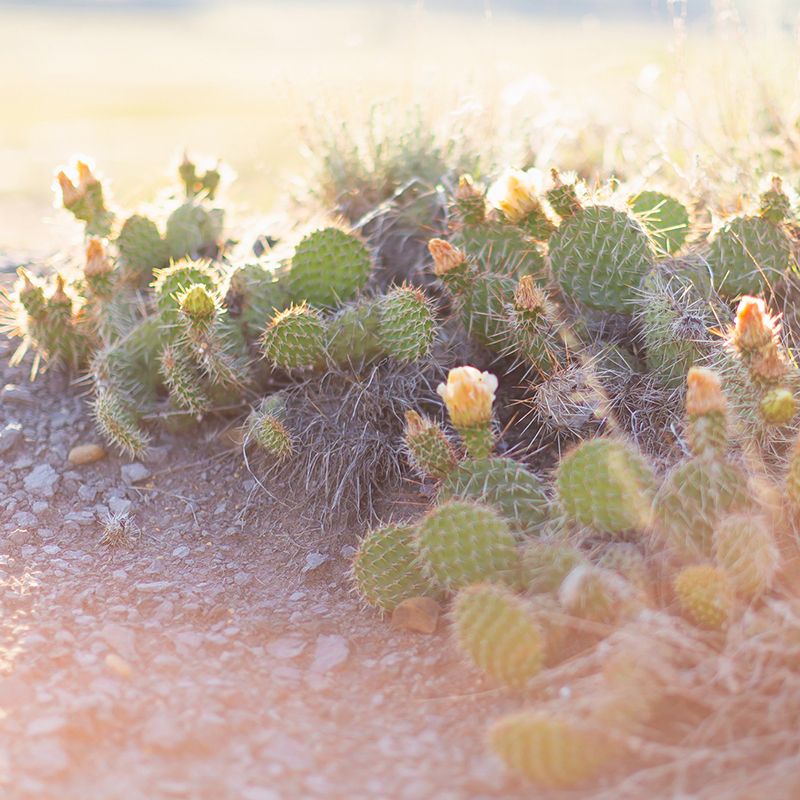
[[419, 614], [41, 481], [330, 651], [10, 436], [85, 454], [16, 395], [135, 473], [286, 647], [121, 639]]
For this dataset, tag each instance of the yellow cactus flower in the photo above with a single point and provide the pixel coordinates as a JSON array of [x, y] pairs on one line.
[[515, 193], [469, 395]]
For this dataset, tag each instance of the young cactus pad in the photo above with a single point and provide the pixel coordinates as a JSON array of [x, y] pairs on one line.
[[294, 338], [462, 543], [386, 568], [605, 484], [549, 749], [705, 595], [496, 629]]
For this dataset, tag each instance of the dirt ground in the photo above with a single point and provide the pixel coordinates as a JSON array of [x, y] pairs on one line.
[[222, 653]]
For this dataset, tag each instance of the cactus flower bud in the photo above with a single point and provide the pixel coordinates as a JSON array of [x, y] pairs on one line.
[[85, 177], [469, 395], [197, 302], [515, 194], [529, 296], [704, 395], [777, 406], [445, 256], [69, 193], [754, 328], [96, 261]]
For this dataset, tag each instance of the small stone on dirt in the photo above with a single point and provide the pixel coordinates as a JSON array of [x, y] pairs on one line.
[[331, 651], [41, 481], [118, 665], [314, 560], [10, 436], [16, 395], [121, 639], [135, 473], [85, 454], [419, 614]]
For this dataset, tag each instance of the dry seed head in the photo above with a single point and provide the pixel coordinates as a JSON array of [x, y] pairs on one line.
[[529, 296], [96, 261], [469, 395], [445, 256], [704, 395]]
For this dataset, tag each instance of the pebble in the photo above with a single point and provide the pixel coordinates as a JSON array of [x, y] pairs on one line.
[[121, 639], [41, 481], [47, 758], [39, 507], [85, 454], [330, 651], [153, 587], [119, 505], [419, 614], [87, 493], [135, 473], [10, 436], [118, 665], [314, 560], [43, 726], [181, 552], [286, 647], [16, 395]]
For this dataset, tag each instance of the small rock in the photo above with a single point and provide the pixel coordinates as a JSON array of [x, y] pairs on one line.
[[51, 549], [10, 436], [119, 505], [16, 395], [348, 551], [420, 614], [85, 454], [242, 578], [121, 639], [157, 455], [191, 639], [135, 473], [43, 726], [297, 596], [41, 481], [153, 587], [314, 560], [118, 665], [39, 507], [259, 793], [47, 758], [163, 731], [119, 575], [286, 647], [330, 651], [181, 552], [20, 536], [87, 493]]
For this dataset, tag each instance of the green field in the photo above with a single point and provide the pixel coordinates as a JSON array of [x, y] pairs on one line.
[[254, 83]]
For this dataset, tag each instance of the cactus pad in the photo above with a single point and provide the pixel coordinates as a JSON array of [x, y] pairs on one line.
[[705, 595], [294, 338]]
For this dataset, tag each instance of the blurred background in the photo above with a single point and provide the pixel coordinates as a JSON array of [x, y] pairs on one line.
[[672, 89]]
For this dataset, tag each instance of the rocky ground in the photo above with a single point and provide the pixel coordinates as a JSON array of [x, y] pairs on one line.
[[219, 654]]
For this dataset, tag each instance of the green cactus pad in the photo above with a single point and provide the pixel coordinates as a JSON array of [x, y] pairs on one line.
[[705, 595], [141, 249], [482, 307], [694, 495], [549, 749], [666, 218], [171, 282], [353, 334], [502, 483], [501, 249], [386, 568], [462, 543], [267, 429], [599, 257], [496, 629], [118, 424], [294, 338], [181, 376], [605, 484], [328, 267], [748, 255], [406, 327], [744, 547], [545, 564], [429, 450], [193, 230]]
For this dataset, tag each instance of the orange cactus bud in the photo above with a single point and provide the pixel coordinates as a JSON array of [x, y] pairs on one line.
[[96, 261], [445, 256], [754, 327], [704, 395], [69, 193]]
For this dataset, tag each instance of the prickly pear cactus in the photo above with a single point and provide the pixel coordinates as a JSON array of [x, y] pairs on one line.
[[406, 326], [744, 547], [429, 450], [502, 483], [386, 568], [546, 563], [605, 484], [267, 428], [664, 216], [193, 230], [499, 633], [328, 267], [552, 750], [599, 257], [141, 250], [295, 337], [463, 542], [705, 595]]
